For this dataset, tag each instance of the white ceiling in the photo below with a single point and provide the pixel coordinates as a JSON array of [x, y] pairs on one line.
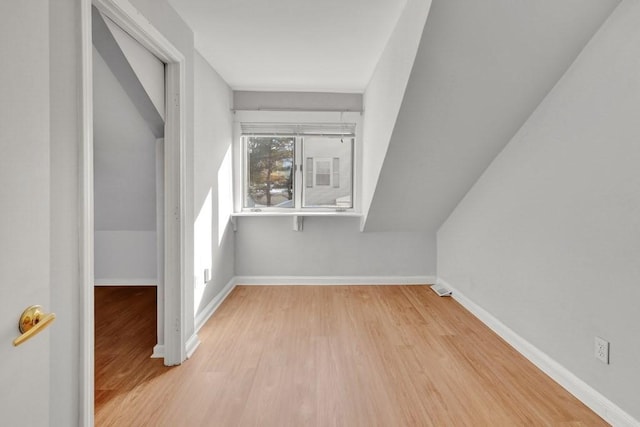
[[292, 45]]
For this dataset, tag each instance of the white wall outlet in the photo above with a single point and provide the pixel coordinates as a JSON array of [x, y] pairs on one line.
[[602, 350], [207, 275]]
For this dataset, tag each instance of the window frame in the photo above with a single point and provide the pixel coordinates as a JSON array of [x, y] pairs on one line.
[[245, 172], [292, 117], [299, 185]]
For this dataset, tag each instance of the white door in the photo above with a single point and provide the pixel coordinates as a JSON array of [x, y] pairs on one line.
[[24, 207]]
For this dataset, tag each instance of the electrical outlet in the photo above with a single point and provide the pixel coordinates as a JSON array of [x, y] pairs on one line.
[[602, 350]]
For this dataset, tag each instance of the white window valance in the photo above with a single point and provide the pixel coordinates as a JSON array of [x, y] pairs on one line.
[[316, 129]]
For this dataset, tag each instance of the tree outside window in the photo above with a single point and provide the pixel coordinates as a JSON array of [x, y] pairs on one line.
[[270, 168]]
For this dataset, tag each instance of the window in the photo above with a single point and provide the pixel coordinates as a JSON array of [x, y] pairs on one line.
[[270, 171], [298, 167], [329, 183]]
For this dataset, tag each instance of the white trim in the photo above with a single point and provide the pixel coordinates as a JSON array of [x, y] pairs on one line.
[[160, 227], [158, 351], [127, 17], [215, 303], [333, 280], [175, 280], [192, 344], [598, 403], [85, 207], [125, 282]]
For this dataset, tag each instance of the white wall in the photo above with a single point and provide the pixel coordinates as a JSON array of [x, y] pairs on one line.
[[328, 246], [124, 184], [213, 195], [548, 240], [385, 91]]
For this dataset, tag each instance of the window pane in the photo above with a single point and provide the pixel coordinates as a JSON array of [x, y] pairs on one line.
[[332, 159], [270, 172]]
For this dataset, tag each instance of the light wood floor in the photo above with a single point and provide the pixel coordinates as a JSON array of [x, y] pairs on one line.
[[324, 356]]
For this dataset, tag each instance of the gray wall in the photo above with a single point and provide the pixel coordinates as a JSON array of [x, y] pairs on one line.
[[548, 239], [313, 101], [481, 69], [213, 196], [328, 246], [124, 184]]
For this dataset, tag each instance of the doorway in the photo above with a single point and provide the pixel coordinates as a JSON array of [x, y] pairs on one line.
[[128, 173], [174, 192]]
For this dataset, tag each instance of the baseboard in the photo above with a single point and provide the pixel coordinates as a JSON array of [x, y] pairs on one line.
[[158, 352], [334, 280], [211, 308], [598, 403], [125, 282], [192, 344]]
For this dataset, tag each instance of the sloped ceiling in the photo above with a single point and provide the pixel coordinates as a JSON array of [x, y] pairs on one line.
[[481, 69], [109, 48], [148, 69]]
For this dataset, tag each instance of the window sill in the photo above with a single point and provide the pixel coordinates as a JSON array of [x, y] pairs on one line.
[[297, 216]]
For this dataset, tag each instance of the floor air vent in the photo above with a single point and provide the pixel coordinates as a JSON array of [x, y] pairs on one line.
[[441, 290]]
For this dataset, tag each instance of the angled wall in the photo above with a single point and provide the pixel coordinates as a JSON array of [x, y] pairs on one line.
[[147, 67], [135, 68], [548, 240], [385, 91], [480, 71]]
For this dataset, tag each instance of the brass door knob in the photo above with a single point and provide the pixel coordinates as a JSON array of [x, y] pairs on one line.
[[32, 321]]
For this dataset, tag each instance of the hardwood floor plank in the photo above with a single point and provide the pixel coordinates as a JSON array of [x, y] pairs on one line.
[[325, 356]]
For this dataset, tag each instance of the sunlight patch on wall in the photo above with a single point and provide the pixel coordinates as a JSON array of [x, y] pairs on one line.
[[225, 195], [202, 253]]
